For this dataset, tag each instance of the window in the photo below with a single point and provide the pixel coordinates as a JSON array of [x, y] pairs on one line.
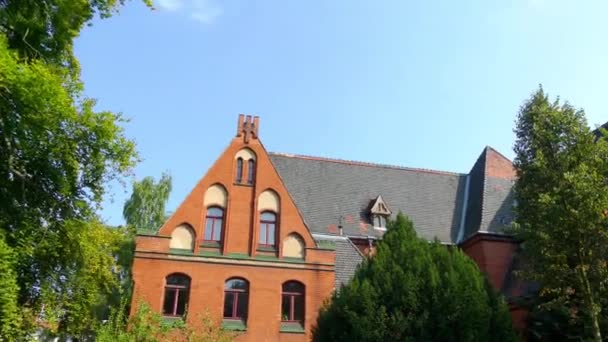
[[379, 221], [250, 171], [268, 224], [236, 299], [177, 290], [239, 170], [292, 302], [213, 224]]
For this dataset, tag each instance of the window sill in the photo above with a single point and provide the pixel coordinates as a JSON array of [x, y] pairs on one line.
[[382, 229], [212, 244], [266, 249], [234, 325], [243, 184], [292, 328], [180, 251], [267, 257], [214, 253], [293, 259]]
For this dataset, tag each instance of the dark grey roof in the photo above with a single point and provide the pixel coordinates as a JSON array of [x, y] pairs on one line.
[[347, 259], [597, 132], [475, 196], [490, 199], [498, 205], [330, 193]]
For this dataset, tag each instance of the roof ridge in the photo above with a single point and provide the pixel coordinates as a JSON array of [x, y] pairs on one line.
[[361, 163]]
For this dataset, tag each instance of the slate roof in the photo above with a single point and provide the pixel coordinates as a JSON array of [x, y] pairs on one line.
[[490, 198], [330, 193], [347, 259]]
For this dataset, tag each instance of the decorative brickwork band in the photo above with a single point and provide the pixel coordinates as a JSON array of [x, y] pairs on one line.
[[248, 127]]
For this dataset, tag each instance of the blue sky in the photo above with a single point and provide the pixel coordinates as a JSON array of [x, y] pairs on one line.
[[415, 83]]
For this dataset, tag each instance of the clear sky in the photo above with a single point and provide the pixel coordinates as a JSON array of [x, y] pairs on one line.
[[416, 83]]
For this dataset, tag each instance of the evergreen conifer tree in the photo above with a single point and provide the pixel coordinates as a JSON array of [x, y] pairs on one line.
[[413, 290]]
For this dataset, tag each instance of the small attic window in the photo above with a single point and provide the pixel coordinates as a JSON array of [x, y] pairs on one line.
[[379, 213], [379, 221]]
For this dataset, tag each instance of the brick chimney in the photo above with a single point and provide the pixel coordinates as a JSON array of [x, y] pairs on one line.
[[247, 127]]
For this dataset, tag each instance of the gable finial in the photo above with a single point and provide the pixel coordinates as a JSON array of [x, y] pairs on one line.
[[248, 127]]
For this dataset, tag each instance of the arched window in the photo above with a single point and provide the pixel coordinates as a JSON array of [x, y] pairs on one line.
[[177, 291], [268, 226], [214, 222], [236, 299], [239, 170], [292, 302], [250, 171]]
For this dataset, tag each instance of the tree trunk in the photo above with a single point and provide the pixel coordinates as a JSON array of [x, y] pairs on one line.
[[591, 304]]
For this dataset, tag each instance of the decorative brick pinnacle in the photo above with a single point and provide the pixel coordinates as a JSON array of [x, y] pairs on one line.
[[247, 127]]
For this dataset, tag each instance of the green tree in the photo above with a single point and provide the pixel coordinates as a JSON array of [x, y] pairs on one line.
[[57, 154], [46, 29], [413, 290], [10, 319], [562, 197], [145, 325], [58, 261], [145, 209]]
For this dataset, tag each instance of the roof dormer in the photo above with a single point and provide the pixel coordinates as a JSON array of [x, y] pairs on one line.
[[379, 213]]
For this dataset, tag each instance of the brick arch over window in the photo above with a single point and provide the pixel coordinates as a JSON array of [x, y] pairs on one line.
[[246, 154], [216, 195], [293, 246], [182, 237], [269, 201]]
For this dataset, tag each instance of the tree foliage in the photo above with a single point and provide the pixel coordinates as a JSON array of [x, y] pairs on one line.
[[145, 325], [56, 154], [562, 197], [10, 319], [413, 290], [46, 29], [145, 209]]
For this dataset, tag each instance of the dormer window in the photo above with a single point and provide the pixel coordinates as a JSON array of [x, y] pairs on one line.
[[379, 221], [379, 213]]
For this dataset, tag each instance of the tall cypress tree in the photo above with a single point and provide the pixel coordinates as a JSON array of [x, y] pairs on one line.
[[413, 290]]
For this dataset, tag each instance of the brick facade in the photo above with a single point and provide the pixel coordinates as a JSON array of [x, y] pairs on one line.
[[239, 255]]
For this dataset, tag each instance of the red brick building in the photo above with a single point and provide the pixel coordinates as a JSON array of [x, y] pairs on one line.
[[264, 238]]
